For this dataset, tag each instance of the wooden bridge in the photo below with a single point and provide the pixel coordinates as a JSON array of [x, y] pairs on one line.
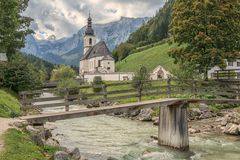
[[167, 94]]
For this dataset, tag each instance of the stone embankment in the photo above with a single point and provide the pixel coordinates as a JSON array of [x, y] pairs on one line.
[[42, 135], [201, 120]]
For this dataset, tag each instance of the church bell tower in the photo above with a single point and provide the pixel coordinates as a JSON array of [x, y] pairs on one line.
[[89, 37]]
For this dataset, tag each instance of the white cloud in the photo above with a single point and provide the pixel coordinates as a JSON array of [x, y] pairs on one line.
[[65, 17]]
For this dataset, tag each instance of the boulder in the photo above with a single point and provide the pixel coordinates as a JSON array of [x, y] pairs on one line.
[[233, 117], [203, 107], [231, 129], [192, 131], [37, 140], [155, 121], [134, 113], [145, 114], [195, 112], [52, 142], [75, 153], [19, 124], [206, 115], [32, 130], [61, 155]]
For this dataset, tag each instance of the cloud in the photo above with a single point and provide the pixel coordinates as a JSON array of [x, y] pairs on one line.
[[62, 18]]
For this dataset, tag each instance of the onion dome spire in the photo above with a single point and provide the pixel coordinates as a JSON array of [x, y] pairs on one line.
[[89, 30]]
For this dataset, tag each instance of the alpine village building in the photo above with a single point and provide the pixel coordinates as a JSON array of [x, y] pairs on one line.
[[97, 59]]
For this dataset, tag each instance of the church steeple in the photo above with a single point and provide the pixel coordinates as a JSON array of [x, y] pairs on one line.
[[89, 38], [89, 30]]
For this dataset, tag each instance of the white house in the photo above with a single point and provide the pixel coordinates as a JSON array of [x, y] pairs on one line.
[[160, 73], [231, 67]]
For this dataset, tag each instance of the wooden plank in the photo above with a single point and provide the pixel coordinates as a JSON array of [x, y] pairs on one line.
[[36, 119]]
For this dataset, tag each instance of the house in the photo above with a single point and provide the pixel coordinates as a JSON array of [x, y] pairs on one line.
[[232, 71], [3, 57], [160, 73]]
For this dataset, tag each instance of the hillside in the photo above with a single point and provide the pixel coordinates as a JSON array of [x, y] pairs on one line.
[[150, 58], [155, 30], [9, 105]]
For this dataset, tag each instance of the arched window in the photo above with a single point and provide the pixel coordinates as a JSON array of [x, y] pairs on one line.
[[90, 41]]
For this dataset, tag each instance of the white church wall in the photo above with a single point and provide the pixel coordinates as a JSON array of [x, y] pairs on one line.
[[117, 76], [93, 63], [108, 65]]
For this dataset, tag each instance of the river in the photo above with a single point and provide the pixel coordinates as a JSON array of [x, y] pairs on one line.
[[125, 139], [100, 137]]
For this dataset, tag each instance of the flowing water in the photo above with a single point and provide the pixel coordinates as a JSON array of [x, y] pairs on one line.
[[125, 139], [104, 136]]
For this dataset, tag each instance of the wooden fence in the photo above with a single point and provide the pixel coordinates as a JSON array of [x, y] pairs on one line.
[[125, 92]]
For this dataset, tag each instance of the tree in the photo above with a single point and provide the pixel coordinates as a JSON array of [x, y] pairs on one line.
[[63, 72], [19, 75], [13, 25], [140, 77], [122, 51], [207, 32]]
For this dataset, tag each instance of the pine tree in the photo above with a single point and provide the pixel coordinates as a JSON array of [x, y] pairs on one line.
[[13, 25], [207, 31]]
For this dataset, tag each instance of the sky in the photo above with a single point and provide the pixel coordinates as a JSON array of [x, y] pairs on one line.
[[63, 18]]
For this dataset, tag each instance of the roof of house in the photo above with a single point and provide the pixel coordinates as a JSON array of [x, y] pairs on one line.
[[99, 50], [3, 57]]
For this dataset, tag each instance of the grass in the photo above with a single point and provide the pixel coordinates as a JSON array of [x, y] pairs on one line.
[[150, 58], [18, 146], [9, 105]]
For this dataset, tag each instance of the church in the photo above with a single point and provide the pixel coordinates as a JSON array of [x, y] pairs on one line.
[[97, 58]]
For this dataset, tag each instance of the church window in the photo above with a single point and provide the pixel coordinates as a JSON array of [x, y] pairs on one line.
[[90, 41], [108, 68], [99, 63], [108, 62]]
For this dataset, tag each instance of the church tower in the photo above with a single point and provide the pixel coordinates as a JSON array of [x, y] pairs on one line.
[[89, 37]]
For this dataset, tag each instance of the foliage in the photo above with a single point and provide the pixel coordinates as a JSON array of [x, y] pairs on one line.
[[69, 83], [9, 105], [155, 29], [19, 75], [13, 26], [149, 58], [97, 81], [122, 51], [185, 71], [18, 146], [140, 76], [62, 72], [42, 65], [209, 30]]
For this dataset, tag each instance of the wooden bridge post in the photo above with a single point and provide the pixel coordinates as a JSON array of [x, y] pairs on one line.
[[66, 99], [169, 87], [173, 127]]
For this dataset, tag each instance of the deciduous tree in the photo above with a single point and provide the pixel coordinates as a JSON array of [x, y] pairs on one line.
[[207, 31], [13, 25]]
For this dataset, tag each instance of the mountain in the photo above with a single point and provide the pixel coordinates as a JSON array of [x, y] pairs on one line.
[[70, 50]]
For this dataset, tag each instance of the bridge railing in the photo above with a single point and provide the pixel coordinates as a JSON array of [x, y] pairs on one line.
[[125, 92]]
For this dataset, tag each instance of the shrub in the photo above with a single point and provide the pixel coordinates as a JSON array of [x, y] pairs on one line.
[[19, 75], [97, 81], [63, 72], [140, 76]]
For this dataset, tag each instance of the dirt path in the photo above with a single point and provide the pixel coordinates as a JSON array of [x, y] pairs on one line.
[[4, 126]]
